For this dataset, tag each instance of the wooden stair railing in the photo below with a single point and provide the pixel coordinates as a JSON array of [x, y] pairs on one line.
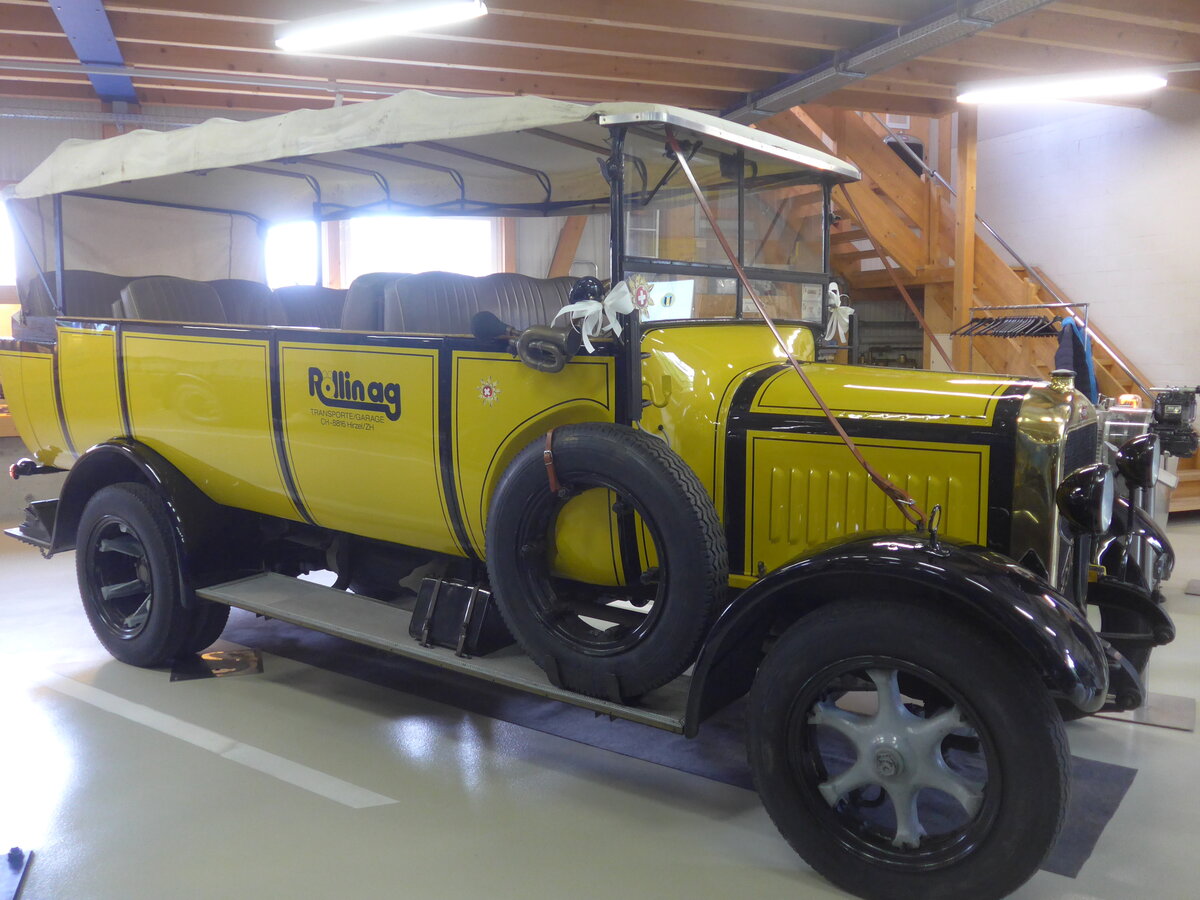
[[913, 219]]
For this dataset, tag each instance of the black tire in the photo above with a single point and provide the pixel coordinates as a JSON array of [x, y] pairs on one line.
[[208, 621], [640, 649], [985, 711], [128, 569]]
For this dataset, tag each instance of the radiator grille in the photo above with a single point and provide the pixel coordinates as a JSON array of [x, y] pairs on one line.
[[1082, 448]]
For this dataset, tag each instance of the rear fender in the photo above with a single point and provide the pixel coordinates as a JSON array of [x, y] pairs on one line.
[[197, 522], [971, 583]]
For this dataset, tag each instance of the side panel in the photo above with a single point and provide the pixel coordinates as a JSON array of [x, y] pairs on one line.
[[362, 436], [500, 405], [807, 490], [203, 402], [87, 372], [28, 376]]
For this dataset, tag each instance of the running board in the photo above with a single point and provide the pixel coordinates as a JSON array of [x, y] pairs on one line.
[[381, 625]]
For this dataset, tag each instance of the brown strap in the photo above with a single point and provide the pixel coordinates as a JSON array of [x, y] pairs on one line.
[[906, 504], [895, 279], [548, 459]]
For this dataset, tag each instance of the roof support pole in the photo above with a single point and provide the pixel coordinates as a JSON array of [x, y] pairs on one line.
[[964, 230]]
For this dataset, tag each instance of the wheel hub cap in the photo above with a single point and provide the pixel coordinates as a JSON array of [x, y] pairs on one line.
[[900, 753], [888, 762]]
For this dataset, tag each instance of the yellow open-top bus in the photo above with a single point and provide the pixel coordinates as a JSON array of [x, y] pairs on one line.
[[645, 487]]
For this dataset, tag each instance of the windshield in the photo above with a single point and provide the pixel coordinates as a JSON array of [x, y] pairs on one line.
[[770, 212]]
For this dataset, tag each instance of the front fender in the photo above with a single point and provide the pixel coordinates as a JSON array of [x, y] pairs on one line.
[[1129, 520], [969, 582]]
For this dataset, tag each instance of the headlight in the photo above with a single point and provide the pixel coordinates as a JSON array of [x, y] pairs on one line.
[[1085, 499], [1138, 460]]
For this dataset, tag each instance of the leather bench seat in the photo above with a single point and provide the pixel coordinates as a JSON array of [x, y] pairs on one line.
[[248, 302], [444, 302], [310, 306], [165, 298], [364, 301], [90, 295]]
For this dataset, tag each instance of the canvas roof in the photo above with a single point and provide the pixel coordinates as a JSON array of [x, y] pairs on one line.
[[410, 149]]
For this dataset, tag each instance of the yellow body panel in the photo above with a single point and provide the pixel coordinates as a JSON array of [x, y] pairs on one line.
[[28, 378], [405, 439], [369, 471], [885, 395], [808, 490], [204, 404], [501, 405], [87, 373], [689, 378]]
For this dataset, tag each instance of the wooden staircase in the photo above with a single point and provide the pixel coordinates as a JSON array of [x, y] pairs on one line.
[[912, 220]]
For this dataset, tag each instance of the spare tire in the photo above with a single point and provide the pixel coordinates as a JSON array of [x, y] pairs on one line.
[[613, 642]]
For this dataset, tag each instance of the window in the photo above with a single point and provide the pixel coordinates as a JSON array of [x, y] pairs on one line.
[[291, 254], [418, 244], [8, 250], [384, 244]]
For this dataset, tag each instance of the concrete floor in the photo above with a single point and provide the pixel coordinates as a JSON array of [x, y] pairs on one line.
[[302, 783]]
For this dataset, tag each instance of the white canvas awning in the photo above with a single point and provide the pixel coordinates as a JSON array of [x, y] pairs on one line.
[[413, 149]]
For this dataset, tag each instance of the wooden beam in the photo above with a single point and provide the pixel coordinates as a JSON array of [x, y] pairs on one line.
[[568, 246], [1020, 57], [611, 43], [964, 234], [672, 17], [432, 61], [393, 76], [1182, 15], [507, 235], [1162, 44], [880, 12]]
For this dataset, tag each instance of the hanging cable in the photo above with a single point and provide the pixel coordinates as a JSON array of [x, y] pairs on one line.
[[895, 278], [906, 504]]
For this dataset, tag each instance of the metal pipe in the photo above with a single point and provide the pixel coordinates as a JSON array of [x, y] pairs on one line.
[[1032, 272]]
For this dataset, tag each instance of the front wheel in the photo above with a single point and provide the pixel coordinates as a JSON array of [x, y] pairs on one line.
[[905, 755]]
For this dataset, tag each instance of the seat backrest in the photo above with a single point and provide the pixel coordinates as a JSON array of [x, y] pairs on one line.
[[248, 302], [311, 306], [443, 302], [165, 298], [90, 295], [364, 301]]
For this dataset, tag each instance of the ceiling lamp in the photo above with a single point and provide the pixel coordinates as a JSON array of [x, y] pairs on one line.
[[374, 21], [1077, 86]]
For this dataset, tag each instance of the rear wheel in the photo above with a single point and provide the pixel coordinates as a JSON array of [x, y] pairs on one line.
[[128, 569], [904, 755]]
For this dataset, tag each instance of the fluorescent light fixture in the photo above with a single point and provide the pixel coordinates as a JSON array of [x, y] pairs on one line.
[[1077, 86], [374, 21]]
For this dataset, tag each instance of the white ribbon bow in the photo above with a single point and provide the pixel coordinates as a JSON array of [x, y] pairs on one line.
[[838, 328], [591, 314]]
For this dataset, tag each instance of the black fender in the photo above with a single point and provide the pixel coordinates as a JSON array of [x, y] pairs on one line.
[[1116, 594], [197, 521], [967, 581], [1127, 520]]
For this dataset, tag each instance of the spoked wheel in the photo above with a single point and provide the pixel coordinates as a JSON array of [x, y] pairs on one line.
[[120, 575], [622, 638], [904, 755], [128, 571]]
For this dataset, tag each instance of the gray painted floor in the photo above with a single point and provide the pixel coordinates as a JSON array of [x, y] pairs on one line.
[[302, 783]]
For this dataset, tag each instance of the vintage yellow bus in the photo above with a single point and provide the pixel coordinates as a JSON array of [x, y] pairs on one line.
[[645, 487]]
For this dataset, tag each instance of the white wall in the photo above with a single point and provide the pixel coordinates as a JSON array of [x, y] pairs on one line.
[[1107, 201], [537, 238]]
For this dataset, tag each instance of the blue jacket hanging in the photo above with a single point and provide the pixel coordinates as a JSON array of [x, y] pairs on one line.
[[1075, 352]]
